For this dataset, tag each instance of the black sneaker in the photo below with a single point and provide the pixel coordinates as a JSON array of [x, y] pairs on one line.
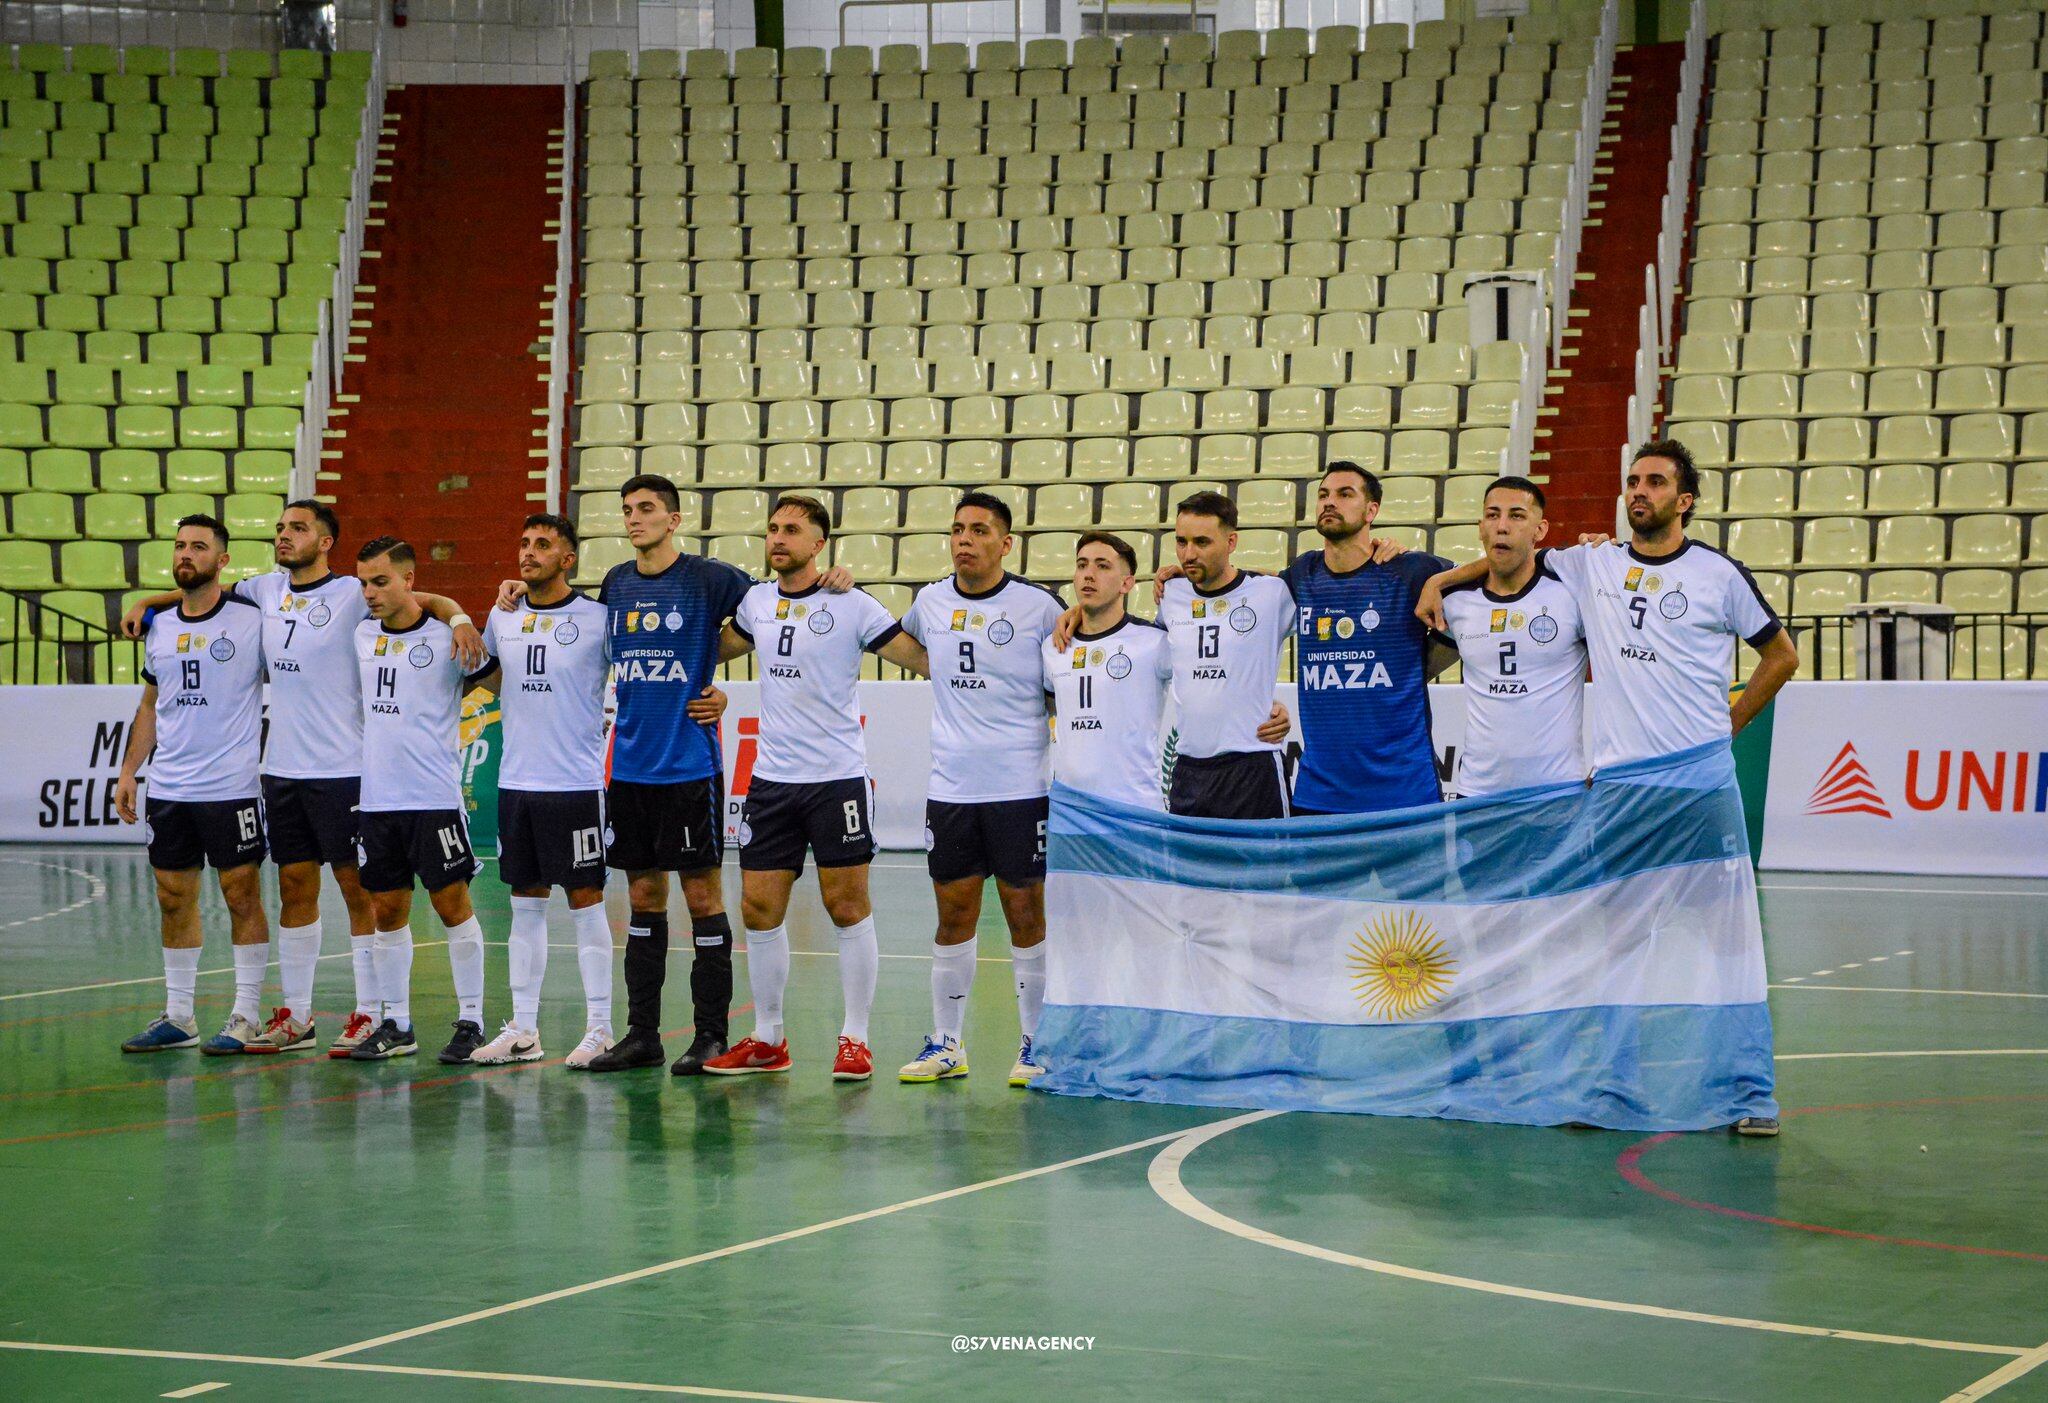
[[703, 1048], [468, 1038], [639, 1048], [387, 1040], [1758, 1126]]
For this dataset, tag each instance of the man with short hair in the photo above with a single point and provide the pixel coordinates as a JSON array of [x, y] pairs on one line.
[[1523, 649], [313, 757], [201, 715], [1225, 628], [414, 825], [549, 675], [986, 803], [665, 799], [810, 790], [1110, 686], [1662, 613]]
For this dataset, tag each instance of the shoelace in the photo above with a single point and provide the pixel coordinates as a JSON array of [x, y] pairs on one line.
[[358, 1025], [932, 1048], [279, 1017], [594, 1039]]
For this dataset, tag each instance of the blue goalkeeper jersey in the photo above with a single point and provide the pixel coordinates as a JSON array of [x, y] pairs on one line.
[[664, 649], [1360, 653]]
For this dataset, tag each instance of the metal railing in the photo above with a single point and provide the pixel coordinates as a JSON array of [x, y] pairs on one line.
[[561, 337], [1958, 647], [1016, 14], [46, 646]]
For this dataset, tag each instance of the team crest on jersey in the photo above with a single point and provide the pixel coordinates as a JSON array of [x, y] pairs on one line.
[[1118, 666], [566, 632], [650, 621], [1345, 628], [319, 616], [1497, 621], [1201, 608], [820, 622], [1543, 628], [673, 621], [632, 622], [1243, 619], [529, 623], [222, 649], [1080, 656], [1634, 578], [188, 641], [1000, 632], [1673, 605], [421, 655], [782, 608], [1518, 620], [1095, 657], [1653, 583], [1323, 630], [959, 624]]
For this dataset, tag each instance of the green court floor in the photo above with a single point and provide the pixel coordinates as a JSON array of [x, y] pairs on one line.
[[175, 1226]]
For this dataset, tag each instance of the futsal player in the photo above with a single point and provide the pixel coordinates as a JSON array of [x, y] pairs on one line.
[[1111, 684], [412, 816], [1523, 648], [1662, 613], [549, 673], [201, 715], [313, 758], [985, 805], [810, 790]]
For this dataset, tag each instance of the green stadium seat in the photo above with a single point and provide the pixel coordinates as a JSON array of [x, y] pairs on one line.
[[100, 565]]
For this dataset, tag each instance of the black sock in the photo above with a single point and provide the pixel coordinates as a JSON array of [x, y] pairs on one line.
[[646, 967], [711, 974]]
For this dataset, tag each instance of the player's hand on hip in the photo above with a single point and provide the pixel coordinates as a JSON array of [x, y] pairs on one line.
[[510, 593], [708, 708], [469, 645], [837, 580], [1064, 628], [1277, 724], [124, 798], [1385, 549], [1429, 605]]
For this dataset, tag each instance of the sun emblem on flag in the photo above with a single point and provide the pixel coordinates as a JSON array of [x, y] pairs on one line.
[[1399, 965]]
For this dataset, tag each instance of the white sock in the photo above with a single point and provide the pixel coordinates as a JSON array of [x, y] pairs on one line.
[[181, 977], [594, 959], [860, 961], [527, 946], [466, 962], [362, 951], [250, 962], [394, 974], [767, 975], [298, 955], [1029, 967], [952, 981]]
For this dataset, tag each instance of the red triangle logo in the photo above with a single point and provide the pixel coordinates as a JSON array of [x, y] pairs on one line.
[[1845, 787]]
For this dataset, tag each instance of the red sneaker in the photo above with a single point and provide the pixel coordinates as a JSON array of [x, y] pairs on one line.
[[748, 1056], [358, 1027], [854, 1063]]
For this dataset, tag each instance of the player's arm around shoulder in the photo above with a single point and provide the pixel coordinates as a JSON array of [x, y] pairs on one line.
[[1429, 600]]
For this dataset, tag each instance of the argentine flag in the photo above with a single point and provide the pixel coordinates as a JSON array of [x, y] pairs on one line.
[[1569, 953]]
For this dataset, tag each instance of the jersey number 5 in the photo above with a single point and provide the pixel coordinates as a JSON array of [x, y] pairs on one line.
[[1637, 607]]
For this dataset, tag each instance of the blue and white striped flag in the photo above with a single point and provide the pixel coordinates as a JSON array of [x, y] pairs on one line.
[[1553, 955]]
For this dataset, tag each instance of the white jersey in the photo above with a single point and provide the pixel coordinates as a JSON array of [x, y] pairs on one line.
[[1109, 695], [1226, 659], [316, 702], [1524, 661], [208, 675], [809, 644], [551, 694], [988, 695], [412, 717], [1661, 633]]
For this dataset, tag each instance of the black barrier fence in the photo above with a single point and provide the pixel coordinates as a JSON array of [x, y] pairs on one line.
[[62, 637]]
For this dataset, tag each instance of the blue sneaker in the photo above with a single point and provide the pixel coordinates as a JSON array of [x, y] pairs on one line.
[[237, 1037], [164, 1035]]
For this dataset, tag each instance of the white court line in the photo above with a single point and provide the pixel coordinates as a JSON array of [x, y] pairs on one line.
[[1899, 989], [2000, 1377], [415, 1371], [1936, 1052], [192, 1392], [660, 1268], [98, 892], [158, 978], [2034, 892], [1164, 1175]]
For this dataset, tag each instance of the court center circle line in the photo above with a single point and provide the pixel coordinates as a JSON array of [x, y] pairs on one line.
[[1164, 1175], [98, 891]]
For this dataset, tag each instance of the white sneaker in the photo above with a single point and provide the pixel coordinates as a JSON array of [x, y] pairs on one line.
[[597, 1040], [941, 1059], [1028, 1066], [513, 1044]]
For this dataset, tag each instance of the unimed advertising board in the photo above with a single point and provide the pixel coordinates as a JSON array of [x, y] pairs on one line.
[[1932, 777]]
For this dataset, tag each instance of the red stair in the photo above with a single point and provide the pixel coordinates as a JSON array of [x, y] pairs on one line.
[[434, 446], [1584, 437]]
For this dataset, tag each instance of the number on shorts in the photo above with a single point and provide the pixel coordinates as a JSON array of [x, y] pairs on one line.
[[851, 808], [1041, 839], [245, 819], [584, 847], [451, 842]]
